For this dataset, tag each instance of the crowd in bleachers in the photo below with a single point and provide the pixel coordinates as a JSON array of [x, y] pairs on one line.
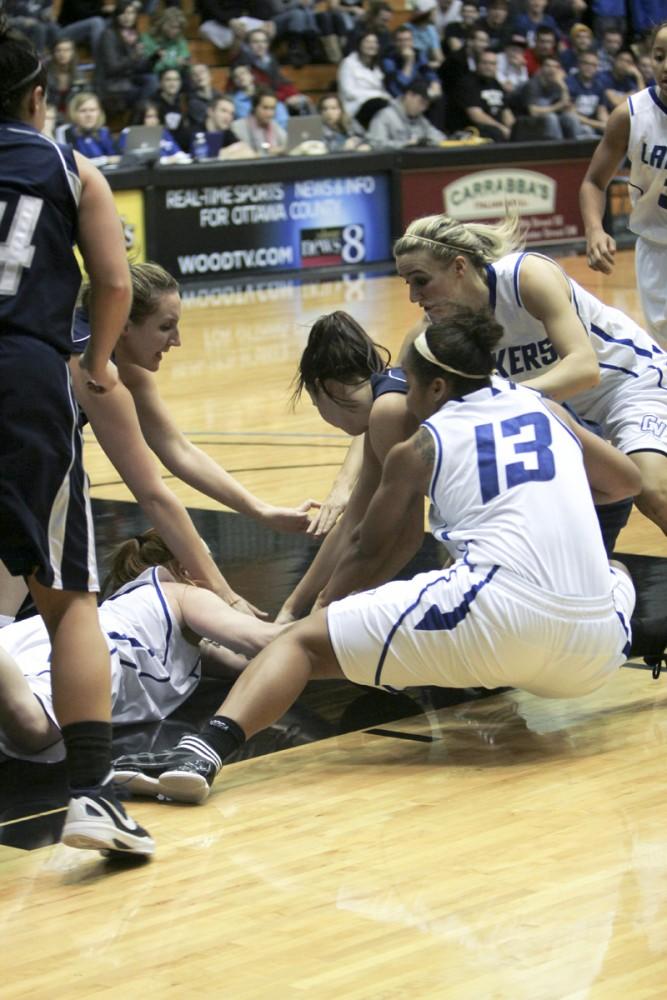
[[504, 70]]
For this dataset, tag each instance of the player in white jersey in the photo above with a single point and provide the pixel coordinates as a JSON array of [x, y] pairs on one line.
[[153, 623], [637, 129], [530, 601], [558, 338]]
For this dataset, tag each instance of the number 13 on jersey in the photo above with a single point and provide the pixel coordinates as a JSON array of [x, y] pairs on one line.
[[526, 437]]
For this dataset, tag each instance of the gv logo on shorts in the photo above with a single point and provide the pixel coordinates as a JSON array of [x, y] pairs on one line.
[[653, 425]]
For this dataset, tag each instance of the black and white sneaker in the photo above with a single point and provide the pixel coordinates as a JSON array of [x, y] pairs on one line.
[[96, 821], [184, 774]]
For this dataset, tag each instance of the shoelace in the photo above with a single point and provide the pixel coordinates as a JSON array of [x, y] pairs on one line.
[[656, 662]]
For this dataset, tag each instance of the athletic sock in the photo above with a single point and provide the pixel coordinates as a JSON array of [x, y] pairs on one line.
[[88, 746], [223, 735]]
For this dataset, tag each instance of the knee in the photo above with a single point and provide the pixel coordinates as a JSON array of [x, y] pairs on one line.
[[652, 502]]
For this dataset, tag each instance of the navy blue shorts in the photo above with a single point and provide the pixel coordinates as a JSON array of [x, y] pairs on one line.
[[46, 525]]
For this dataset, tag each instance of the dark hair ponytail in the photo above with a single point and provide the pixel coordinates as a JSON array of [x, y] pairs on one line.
[[20, 69], [464, 339], [338, 348]]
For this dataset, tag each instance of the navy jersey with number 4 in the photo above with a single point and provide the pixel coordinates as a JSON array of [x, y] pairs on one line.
[[39, 196]]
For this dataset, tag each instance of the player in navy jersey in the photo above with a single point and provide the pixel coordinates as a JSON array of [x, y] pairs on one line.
[[347, 378], [508, 480], [637, 129], [48, 198], [558, 337], [155, 623]]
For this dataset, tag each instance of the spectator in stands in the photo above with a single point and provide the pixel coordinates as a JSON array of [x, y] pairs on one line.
[[65, 77], [259, 130], [84, 21], [645, 67], [221, 141], [456, 66], [582, 40], [535, 16], [167, 42], [123, 72], [404, 64], [458, 31], [587, 93], [243, 88], [611, 44], [511, 69], [377, 21], [266, 71], [87, 133], [403, 122], [148, 113], [546, 96], [609, 15], [567, 13], [361, 81], [295, 22], [546, 44], [623, 79], [447, 12], [34, 19], [484, 101], [352, 12], [200, 93], [172, 106], [341, 133], [496, 24], [225, 23], [334, 26], [424, 32]]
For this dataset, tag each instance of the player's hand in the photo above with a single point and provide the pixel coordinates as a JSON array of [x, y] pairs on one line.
[[285, 616], [245, 607], [600, 252], [98, 379], [289, 518], [327, 516]]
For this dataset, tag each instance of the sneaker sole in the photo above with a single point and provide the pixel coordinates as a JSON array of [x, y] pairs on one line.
[[181, 786], [98, 837]]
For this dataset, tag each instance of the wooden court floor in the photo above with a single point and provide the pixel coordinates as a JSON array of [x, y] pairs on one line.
[[512, 848]]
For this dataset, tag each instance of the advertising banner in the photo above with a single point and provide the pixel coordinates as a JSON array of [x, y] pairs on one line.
[[130, 206], [544, 194], [219, 230]]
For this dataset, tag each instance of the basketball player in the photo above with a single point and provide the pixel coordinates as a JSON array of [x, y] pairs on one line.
[[153, 622], [637, 129], [558, 337], [348, 381], [48, 197], [530, 601]]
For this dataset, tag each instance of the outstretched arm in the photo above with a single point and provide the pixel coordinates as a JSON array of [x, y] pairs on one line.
[[611, 150], [209, 617], [545, 293], [612, 476], [193, 465], [341, 490], [113, 419], [395, 513]]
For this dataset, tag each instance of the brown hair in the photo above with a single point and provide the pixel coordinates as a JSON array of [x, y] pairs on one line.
[[132, 557]]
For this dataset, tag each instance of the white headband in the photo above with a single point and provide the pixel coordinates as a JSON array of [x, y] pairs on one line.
[[421, 346]]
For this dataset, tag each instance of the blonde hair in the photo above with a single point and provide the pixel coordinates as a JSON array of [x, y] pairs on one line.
[[445, 238], [78, 100], [132, 557], [149, 283]]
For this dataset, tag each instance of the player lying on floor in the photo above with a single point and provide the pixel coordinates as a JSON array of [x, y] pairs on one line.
[[530, 601], [153, 622]]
